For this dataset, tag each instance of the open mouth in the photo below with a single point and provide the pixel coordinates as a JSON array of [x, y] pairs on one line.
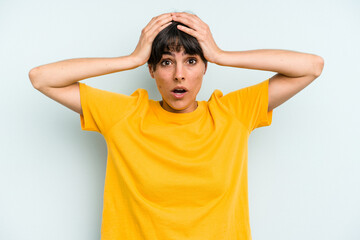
[[179, 89], [179, 92]]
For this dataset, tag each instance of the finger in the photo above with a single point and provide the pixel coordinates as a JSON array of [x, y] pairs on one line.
[[158, 19], [193, 17], [184, 14], [155, 29], [188, 19], [188, 31], [161, 28]]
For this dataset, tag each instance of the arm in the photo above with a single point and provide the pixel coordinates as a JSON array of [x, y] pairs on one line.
[[58, 80], [295, 70]]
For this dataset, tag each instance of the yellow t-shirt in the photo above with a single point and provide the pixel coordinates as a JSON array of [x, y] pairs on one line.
[[175, 176]]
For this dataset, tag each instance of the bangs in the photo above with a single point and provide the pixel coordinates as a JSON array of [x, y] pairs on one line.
[[175, 43], [171, 39]]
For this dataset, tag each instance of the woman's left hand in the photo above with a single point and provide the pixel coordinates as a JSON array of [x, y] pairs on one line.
[[201, 31]]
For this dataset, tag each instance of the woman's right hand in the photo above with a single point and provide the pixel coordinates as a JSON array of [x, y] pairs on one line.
[[142, 51]]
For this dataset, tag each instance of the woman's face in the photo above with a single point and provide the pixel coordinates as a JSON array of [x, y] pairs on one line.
[[179, 77]]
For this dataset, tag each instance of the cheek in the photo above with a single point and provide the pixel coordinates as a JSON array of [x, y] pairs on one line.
[[163, 79], [161, 83], [198, 78]]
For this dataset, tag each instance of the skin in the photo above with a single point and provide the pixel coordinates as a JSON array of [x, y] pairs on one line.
[[294, 70], [59, 80], [179, 69]]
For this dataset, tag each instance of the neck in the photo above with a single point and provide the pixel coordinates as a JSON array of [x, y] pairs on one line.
[[166, 107]]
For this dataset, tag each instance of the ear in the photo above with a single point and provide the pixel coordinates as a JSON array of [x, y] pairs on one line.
[[151, 70], [206, 64]]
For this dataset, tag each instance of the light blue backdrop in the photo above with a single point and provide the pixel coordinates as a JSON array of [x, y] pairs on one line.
[[303, 170]]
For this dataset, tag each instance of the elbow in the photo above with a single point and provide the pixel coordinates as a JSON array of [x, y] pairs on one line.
[[34, 78], [318, 66]]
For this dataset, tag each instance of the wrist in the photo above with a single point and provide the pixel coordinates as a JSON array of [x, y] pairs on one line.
[[134, 60], [218, 57], [123, 63]]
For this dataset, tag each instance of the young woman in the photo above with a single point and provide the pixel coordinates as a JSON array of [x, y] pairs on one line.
[[177, 168]]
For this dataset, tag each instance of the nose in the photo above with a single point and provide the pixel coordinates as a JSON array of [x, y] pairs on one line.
[[179, 73]]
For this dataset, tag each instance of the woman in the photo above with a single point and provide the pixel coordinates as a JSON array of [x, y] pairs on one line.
[[177, 168]]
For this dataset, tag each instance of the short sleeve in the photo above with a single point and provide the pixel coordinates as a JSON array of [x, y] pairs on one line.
[[102, 109], [250, 105]]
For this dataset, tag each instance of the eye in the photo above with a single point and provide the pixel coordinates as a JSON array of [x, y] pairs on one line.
[[165, 62], [192, 61]]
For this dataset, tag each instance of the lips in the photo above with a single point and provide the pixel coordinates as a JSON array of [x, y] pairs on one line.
[[179, 92], [179, 89]]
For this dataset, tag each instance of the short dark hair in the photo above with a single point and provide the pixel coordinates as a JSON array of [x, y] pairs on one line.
[[172, 39]]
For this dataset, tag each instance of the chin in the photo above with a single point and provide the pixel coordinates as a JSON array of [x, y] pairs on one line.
[[180, 106]]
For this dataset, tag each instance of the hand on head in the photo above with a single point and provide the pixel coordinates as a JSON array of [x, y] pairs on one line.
[[196, 28], [201, 31], [148, 34]]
